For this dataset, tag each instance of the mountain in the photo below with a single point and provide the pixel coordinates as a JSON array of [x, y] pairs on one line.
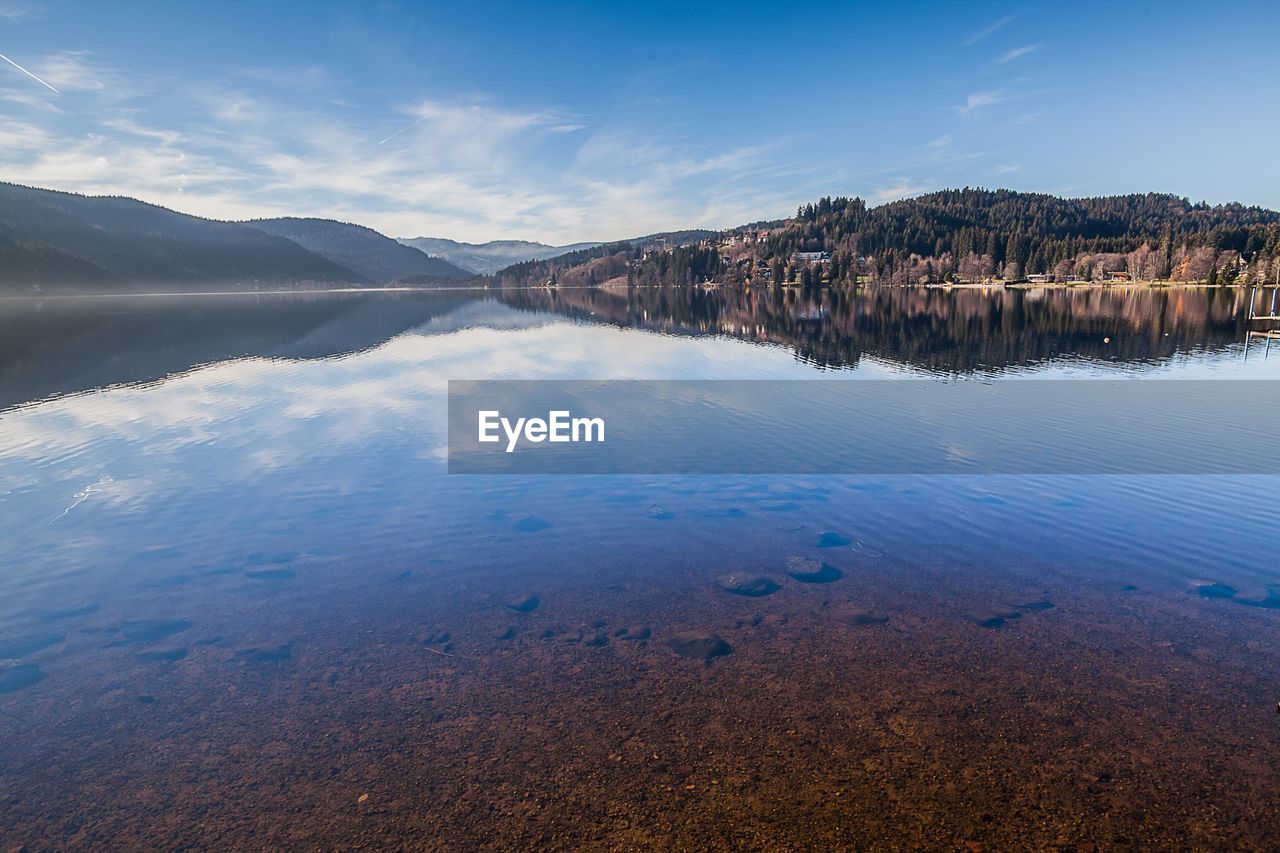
[[488, 258], [497, 255], [603, 262], [56, 240], [362, 250], [952, 236]]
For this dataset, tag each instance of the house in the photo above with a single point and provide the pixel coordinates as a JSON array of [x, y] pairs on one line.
[[1117, 275], [810, 257], [1040, 278]]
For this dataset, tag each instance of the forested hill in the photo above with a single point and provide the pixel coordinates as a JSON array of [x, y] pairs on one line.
[[360, 249], [56, 240], [973, 233]]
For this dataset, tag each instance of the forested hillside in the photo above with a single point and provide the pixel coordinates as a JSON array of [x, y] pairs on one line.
[[56, 240], [360, 249], [972, 234]]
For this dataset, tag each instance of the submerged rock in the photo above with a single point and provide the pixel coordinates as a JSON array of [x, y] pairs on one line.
[[597, 639], [831, 539], [20, 647], [1215, 590], [635, 632], [505, 634], [436, 638], [164, 655], [753, 586], [812, 571], [1033, 604], [266, 654], [525, 604], [992, 617], [1269, 599], [699, 645], [855, 614], [15, 676]]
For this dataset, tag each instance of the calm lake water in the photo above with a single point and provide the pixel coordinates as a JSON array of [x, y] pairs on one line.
[[243, 605]]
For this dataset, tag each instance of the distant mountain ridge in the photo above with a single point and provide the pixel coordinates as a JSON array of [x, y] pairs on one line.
[[488, 258], [498, 255], [361, 250]]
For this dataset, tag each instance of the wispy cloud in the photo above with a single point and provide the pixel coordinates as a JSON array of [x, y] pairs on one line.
[[979, 35], [978, 100], [902, 188], [472, 167], [14, 12], [940, 142], [1018, 51]]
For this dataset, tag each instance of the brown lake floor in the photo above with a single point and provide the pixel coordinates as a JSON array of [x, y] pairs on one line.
[[1117, 718]]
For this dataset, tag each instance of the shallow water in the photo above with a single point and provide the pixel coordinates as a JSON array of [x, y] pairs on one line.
[[239, 591]]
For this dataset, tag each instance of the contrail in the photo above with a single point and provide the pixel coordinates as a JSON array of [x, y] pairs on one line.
[[29, 74], [403, 129]]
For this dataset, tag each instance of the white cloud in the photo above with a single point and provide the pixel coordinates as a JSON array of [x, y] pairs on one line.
[[14, 12], [471, 169], [1018, 51], [37, 99], [902, 188], [76, 71], [978, 100], [979, 35]]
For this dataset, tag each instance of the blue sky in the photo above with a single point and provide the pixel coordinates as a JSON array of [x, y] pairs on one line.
[[581, 121]]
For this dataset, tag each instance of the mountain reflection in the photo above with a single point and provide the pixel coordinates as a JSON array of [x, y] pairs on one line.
[[55, 347]]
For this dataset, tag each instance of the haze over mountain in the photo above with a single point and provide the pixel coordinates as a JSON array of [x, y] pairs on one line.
[[361, 250], [488, 258]]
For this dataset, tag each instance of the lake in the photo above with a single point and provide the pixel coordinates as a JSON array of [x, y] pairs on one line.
[[242, 604]]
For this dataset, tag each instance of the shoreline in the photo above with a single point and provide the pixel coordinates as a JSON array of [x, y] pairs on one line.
[[613, 285]]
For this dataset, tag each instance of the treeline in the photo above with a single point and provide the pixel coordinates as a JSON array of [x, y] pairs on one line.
[[671, 256], [971, 234], [585, 266], [681, 265]]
